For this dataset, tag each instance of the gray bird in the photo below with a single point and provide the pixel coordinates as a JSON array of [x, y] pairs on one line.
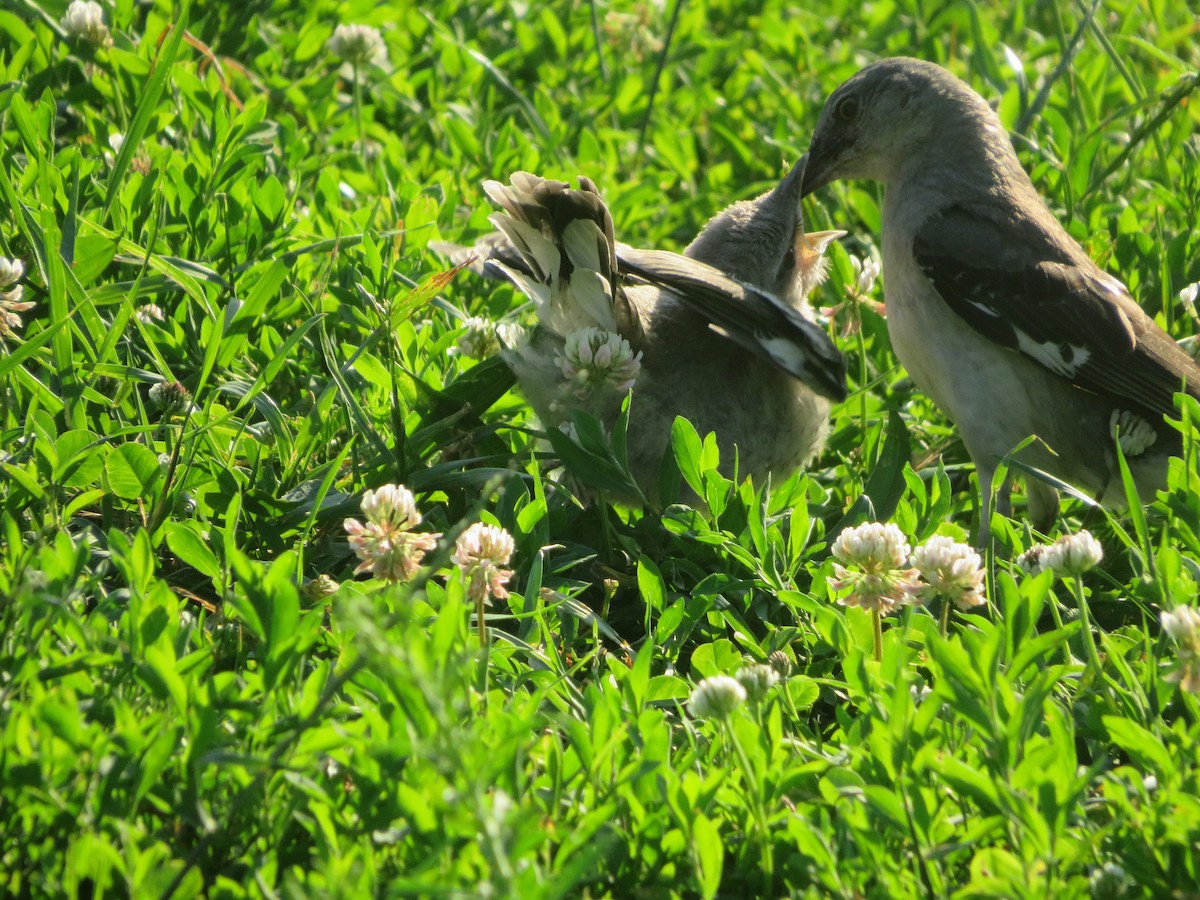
[[994, 310], [723, 332]]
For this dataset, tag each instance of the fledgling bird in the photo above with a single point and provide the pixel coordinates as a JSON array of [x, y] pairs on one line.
[[994, 310], [721, 334]]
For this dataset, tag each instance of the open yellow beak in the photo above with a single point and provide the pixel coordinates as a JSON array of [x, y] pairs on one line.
[[811, 247]]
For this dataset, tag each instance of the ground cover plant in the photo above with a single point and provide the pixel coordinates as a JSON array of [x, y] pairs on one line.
[[224, 335]]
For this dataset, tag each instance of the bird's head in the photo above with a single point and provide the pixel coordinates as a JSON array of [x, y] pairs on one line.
[[762, 242], [890, 114]]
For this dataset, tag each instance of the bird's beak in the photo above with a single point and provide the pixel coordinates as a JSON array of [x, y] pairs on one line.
[[819, 171], [788, 190], [811, 247]]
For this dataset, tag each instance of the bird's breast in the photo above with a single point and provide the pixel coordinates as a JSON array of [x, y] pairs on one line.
[[995, 396]]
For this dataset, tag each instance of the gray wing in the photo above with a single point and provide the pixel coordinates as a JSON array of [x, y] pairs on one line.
[[751, 317], [1055, 307]]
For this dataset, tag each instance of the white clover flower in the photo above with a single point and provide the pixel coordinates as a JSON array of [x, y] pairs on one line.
[[757, 680], [866, 271], [1188, 297], [479, 339], [594, 361], [1183, 625], [919, 693], [358, 44], [716, 697], [139, 162], [1072, 554], [1033, 559], [850, 310], [479, 553], [386, 544], [391, 504], [873, 544], [875, 555], [170, 397], [149, 312], [84, 19], [11, 305], [950, 571], [11, 271], [1134, 433]]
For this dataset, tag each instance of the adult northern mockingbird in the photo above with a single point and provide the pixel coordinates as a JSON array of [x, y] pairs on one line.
[[994, 310], [724, 333]]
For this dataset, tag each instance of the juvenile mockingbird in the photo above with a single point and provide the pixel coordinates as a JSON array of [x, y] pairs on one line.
[[994, 310], [725, 334]]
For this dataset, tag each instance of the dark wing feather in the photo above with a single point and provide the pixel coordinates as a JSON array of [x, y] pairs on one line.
[[1055, 307], [753, 318]]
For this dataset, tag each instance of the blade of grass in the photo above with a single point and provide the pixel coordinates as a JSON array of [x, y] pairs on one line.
[[146, 109]]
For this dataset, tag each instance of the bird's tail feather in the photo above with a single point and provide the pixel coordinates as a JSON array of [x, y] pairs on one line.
[[563, 238]]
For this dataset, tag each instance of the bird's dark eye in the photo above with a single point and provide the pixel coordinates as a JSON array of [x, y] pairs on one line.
[[789, 260], [847, 109]]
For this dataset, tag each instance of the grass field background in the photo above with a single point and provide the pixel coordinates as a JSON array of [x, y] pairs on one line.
[[211, 198]]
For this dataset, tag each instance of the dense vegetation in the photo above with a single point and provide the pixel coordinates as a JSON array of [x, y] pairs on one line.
[[235, 327]]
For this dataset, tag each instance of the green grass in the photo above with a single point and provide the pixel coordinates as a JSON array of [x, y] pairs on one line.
[[180, 714]]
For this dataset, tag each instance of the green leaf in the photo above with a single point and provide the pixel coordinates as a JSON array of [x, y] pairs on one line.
[[969, 782], [710, 854], [80, 458], [132, 471], [650, 583], [718, 658], [685, 442], [667, 687], [25, 477], [159, 672], [93, 253], [885, 486], [64, 721], [189, 545], [1143, 746], [266, 288], [803, 691], [669, 621]]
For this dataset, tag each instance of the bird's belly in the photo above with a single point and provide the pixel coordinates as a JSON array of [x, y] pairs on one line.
[[995, 396], [776, 423]]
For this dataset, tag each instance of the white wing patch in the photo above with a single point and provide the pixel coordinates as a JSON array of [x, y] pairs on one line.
[[786, 354], [985, 309], [1064, 359]]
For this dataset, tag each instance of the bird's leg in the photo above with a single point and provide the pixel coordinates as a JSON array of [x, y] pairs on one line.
[[1042, 504], [1004, 499]]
